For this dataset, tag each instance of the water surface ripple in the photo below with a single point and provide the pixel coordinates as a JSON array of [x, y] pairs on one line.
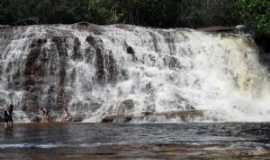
[[222, 141]]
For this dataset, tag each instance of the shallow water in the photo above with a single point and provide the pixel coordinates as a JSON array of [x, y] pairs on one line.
[[230, 141]]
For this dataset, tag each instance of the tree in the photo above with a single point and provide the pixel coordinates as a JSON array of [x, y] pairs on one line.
[[256, 13]]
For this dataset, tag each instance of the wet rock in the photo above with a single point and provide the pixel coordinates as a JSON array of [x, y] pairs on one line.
[[170, 40], [155, 41], [44, 74], [90, 27], [123, 113], [124, 74], [50, 100], [172, 62], [91, 40], [34, 73], [127, 119], [4, 26], [106, 67], [130, 50], [73, 76], [107, 120], [95, 106], [61, 45], [217, 29], [241, 27], [77, 118], [126, 106], [111, 68], [83, 24], [183, 103], [185, 116], [76, 50], [35, 119], [61, 100], [100, 67], [117, 119], [125, 27], [151, 108], [147, 113], [90, 54]]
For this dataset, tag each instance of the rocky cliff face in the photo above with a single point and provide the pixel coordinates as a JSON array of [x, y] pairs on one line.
[[131, 74]]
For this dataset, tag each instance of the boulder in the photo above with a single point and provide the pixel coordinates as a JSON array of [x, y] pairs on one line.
[[217, 29], [77, 118], [241, 27], [117, 119]]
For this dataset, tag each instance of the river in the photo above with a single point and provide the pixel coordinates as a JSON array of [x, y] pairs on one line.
[[84, 141]]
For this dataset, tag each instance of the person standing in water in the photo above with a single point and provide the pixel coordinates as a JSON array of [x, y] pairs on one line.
[[6, 118], [10, 117], [45, 115]]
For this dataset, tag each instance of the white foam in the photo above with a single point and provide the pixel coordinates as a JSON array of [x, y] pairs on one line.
[[217, 74]]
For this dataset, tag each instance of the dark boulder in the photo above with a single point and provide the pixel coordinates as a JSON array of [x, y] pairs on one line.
[[217, 29], [77, 118], [36, 119], [107, 120], [117, 119], [127, 105], [130, 50], [100, 67], [91, 40], [76, 50], [34, 73]]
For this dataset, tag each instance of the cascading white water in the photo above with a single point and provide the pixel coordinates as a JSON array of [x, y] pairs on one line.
[[142, 74]]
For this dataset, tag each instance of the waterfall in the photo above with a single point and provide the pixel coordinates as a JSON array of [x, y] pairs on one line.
[[124, 73]]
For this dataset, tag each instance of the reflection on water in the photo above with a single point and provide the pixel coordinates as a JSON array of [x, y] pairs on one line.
[[146, 141]]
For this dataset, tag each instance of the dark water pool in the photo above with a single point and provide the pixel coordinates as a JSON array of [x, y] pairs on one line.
[[228, 141]]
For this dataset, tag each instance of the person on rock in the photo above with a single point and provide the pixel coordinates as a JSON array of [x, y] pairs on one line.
[[66, 116], [45, 115]]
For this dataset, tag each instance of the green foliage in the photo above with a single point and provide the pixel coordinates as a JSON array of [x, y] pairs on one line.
[[256, 13], [103, 11], [157, 13]]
